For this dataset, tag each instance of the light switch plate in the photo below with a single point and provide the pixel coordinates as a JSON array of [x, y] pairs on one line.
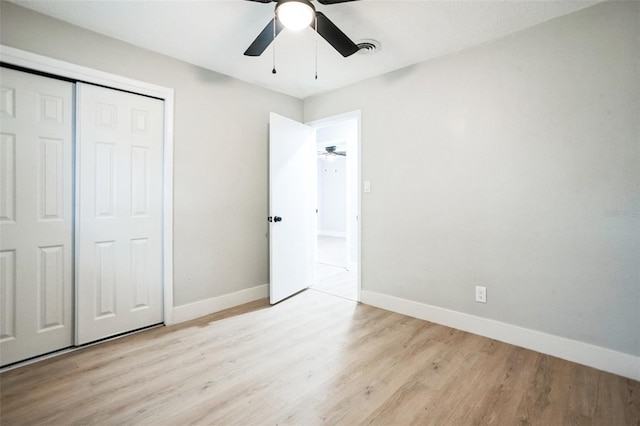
[[367, 186]]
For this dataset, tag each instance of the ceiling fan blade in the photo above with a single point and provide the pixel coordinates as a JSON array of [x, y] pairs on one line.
[[334, 36], [264, 39], [329, 1], [263, 1], [343, 153]]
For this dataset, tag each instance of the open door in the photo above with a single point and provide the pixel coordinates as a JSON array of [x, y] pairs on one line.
[[292, 204]]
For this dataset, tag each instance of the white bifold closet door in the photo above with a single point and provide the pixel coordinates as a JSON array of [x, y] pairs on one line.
[[36, 215], [119, 229]]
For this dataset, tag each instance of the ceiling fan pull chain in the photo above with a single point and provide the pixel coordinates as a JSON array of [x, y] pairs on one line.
[[275, 17], [316, 24]]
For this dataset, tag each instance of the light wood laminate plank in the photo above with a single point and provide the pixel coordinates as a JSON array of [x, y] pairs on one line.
[[312, 359]]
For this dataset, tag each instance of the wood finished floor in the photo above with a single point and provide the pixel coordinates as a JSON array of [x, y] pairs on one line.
[[312, 359]]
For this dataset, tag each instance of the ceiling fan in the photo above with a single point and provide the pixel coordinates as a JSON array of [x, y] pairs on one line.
[[330, 152], [299, 14]]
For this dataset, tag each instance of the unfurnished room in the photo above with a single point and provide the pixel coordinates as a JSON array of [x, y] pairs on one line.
[[305, 212]]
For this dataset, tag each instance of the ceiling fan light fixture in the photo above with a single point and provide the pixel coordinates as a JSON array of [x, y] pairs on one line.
[[295, 14]]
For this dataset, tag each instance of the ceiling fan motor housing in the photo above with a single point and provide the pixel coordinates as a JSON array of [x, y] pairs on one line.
[[295, 14]]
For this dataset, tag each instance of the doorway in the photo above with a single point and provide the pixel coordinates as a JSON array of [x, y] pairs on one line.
[[338, 230]]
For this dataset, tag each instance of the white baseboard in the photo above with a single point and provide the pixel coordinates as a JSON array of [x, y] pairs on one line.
[[582, 353], [332, 234], [215, 304]]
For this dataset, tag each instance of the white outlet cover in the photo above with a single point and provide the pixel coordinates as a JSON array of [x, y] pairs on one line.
[[481, 294]]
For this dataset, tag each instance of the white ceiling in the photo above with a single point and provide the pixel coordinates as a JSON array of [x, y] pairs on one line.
[[215, 33]]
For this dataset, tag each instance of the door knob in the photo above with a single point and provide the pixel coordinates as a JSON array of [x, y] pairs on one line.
[[277, 219]]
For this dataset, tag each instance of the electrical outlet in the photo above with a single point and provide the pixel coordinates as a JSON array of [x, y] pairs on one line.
[[481, 294]]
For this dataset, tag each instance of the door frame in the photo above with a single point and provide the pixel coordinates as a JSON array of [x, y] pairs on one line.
[[55, 67], [336, 119]]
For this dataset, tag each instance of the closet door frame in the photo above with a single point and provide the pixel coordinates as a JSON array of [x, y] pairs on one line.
[[43, 64]]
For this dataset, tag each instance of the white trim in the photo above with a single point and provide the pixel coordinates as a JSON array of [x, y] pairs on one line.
[[52, 66], [572, 350], [167, 211], [68, 70], [216, 304]]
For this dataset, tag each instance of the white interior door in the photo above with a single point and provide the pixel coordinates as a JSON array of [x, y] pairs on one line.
[[119, 258], [292, 204], [36, 215]]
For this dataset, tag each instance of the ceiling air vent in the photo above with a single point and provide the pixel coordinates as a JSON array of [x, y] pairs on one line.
[[367, 47]]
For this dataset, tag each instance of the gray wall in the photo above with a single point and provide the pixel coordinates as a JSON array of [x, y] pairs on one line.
[[220, 163], [514, 165]]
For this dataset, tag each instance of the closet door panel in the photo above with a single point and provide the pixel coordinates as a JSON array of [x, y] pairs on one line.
[[120, 141], [36, 215]]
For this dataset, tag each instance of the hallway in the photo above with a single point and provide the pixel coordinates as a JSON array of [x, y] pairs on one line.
[[332, 269]]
